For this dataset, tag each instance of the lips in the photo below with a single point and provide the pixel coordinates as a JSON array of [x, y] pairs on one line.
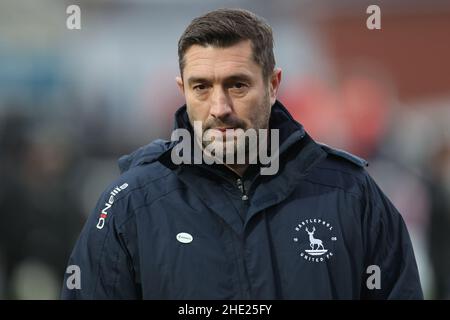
[[223, 129]]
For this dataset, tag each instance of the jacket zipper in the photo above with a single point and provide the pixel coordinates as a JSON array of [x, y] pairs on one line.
[[247, 293], [240, 185]]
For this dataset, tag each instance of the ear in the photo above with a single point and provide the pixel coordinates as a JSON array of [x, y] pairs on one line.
[[274, 84], [180, 85]]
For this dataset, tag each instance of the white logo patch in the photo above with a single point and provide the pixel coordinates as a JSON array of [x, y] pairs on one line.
[[316, 237], [184, 237]]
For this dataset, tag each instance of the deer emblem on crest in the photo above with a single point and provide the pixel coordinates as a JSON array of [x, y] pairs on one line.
[[313, 241]]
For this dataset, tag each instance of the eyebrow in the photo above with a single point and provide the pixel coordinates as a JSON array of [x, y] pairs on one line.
[[234, 77]]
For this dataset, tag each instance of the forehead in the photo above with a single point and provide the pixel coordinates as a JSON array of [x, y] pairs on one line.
[[220, 62]]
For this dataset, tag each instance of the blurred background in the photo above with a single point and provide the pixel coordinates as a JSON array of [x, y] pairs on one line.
[[73, 101]]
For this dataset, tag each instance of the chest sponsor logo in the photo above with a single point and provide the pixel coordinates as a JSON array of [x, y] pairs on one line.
[[315, 238]]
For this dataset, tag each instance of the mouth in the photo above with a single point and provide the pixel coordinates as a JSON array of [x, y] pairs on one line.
[[224, 129]]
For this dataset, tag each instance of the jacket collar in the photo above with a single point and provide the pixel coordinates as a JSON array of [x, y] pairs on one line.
[[298, 153]]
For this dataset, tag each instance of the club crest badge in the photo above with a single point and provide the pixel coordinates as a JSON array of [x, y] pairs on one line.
[[315, 238]]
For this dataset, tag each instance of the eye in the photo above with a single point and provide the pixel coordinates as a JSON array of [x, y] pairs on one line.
[[238, 85], [199, 87]]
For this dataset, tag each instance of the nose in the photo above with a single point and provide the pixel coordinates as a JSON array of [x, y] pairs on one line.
[[220, 104]]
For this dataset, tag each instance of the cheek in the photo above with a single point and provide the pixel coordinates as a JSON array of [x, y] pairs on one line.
[[196, 111], [257, 107]]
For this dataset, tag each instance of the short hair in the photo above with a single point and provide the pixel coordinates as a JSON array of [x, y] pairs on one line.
[[225, 27]]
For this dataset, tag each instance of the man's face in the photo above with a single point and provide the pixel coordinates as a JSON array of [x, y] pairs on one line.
[[224, 88]]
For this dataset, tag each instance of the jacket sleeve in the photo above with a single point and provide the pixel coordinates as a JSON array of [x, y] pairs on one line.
[[100, 266], [389, 251]]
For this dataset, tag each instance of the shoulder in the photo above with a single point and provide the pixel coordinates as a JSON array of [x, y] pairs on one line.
[[142, 171], [145, 183], [142, 180], [340, 169], [343, 157]]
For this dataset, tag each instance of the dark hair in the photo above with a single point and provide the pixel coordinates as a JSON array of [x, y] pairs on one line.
[[225, 27]]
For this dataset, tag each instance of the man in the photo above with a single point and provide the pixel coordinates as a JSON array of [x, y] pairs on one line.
[[314, 226]]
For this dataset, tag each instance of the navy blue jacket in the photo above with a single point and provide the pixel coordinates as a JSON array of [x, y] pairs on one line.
[[318, 229]]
